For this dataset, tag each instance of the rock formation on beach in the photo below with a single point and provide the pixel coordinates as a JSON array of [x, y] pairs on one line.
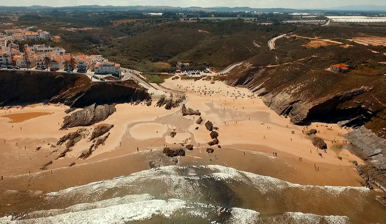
[[372, 149], [189, 111], [100, 130], [170, 102], [88, 116], [209, 125], [311, 132], [319, 143], [199, 120], [173, 152]]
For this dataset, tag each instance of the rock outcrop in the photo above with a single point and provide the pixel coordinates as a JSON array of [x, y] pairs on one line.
[[209, 125], [210, 150], [100, 130], [170, 102], [88, 116], [189, 147], [372, 149], [71, 138], [319, 143], [173, 152], [311, 132], [189, 111], [307, 92], [199, 120], [213, 142], [213, 134]]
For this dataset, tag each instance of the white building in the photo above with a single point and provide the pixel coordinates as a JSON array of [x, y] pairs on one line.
[[44, 35], [105, 68], [44, 49]]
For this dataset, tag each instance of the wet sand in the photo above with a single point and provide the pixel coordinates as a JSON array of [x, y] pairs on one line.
[[20, 117]]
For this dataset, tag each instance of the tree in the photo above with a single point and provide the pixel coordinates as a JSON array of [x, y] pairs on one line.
[[47, 61], [26, 58]]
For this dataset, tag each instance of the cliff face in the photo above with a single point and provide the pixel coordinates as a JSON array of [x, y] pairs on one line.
[[306, 95], [21, 88], [373, 150]]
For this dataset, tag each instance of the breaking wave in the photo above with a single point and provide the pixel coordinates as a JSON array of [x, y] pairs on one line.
[[199, 194]]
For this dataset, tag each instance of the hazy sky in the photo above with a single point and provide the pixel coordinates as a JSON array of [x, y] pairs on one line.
[[202, 3]]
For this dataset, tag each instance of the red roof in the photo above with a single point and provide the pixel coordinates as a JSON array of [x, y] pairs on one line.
[[341, 66]]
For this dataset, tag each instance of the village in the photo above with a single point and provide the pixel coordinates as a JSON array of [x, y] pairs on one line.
[[16, 54]]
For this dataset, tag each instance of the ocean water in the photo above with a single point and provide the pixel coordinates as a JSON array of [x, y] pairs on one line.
[[200, 194]]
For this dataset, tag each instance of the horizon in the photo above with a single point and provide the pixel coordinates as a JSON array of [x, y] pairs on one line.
[[291, 4]]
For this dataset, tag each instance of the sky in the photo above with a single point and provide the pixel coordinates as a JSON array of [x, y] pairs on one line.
[[299, 4]]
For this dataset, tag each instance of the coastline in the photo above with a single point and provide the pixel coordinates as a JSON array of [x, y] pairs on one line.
[[245, 124]]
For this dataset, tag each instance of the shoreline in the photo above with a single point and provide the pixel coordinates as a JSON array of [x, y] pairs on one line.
[[243, 120]]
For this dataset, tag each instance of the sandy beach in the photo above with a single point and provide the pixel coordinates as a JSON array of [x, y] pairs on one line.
[[251, 136]]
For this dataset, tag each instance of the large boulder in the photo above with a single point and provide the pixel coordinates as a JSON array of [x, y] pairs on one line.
[[209, 150], [319, 143], [311, 132], [173, 152], [88, 116], [199, 120], [189, 147], [213, 134], [213, 142], [209, 125]]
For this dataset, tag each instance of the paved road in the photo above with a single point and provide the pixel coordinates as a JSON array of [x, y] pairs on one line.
[[129, 74], [271, 42]]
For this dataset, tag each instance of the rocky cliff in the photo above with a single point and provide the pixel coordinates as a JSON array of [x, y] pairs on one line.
[[306, 95], [21, 88]]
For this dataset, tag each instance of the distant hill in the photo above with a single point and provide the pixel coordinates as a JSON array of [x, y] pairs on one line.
[[361, 8]]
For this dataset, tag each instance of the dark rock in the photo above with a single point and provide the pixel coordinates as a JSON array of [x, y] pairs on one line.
[[63, 154], [209, 125], [38, 148], [213, 142], [371, 148], [72, 164], [173, 134], [88, 116], [44, 167], [100, 130], [101, 140], [85, 154], [319, 143], [209, 150], [199, 120], [170, 102], [69, 110], [214, 134], [189, 111], [71, 138], [173, 152], [189, 147], [311, 132]]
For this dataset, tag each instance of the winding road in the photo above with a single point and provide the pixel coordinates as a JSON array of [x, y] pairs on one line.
[[271, 42]]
